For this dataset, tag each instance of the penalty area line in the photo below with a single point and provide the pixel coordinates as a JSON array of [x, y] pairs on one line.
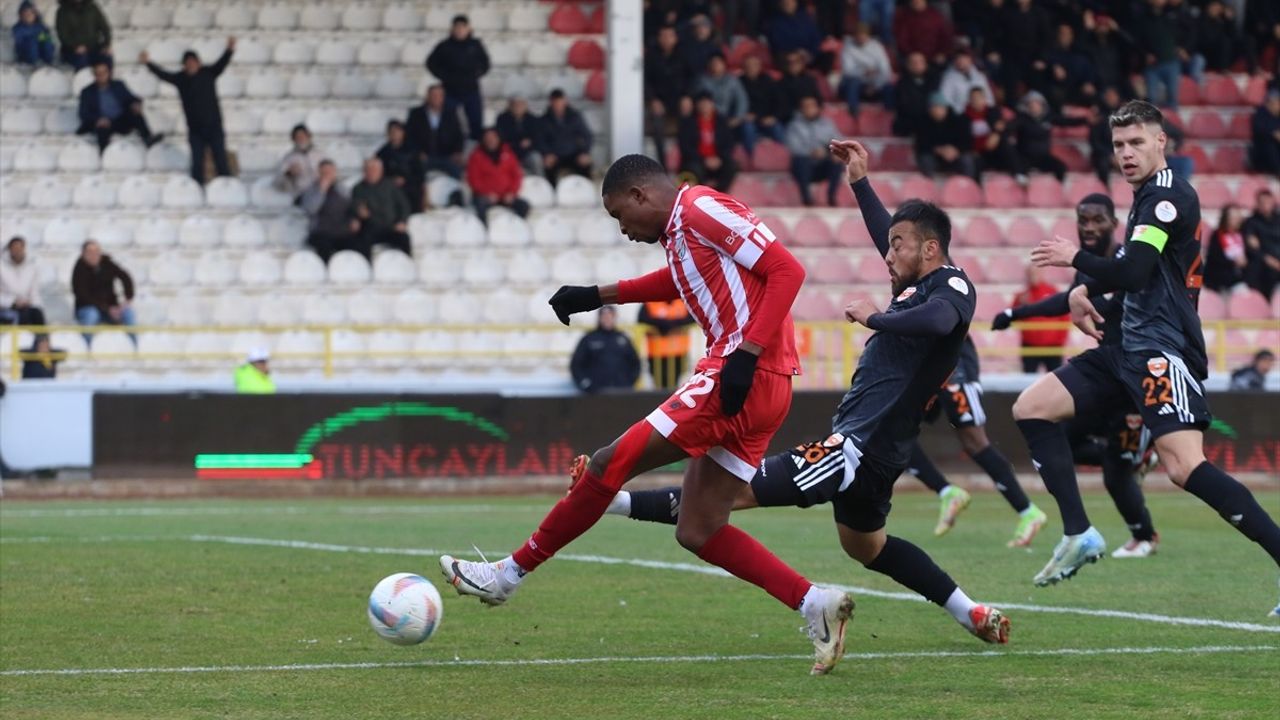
[[655, 659]]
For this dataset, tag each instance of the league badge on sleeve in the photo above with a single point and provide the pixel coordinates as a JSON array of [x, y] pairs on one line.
[[1165, 211]]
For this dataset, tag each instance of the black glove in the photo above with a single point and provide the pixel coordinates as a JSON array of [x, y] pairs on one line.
[[570, 299], [735, 381], [1003, 320]]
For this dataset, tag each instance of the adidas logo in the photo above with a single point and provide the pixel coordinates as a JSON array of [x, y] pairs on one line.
[[1235, 519], [799, 461], [1166, 410], [1036, 464]]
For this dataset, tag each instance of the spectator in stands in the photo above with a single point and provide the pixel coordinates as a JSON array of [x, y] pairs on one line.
[[1219, 40], [436, 134], [401, 163], [944, 142], [494, 174], [762, 104], [1262, 23], [793, 29], [605, 359], [458, 62], [666, 80], [706, 145], [519, 128], [1265, 148], [992, 136], [43, 358], [830, 17], [1101, 154], [1227, 256], [379, 212], [667, 340], [865, 70], [1019, 37], [795, 84], [301, 165], [564, 139], [1068, 79], [808, 135], [254, 376], [328, 212], [1106, 46], [698, 47], [83, 33], [726, 92], [197, 86], [961, 77], [1033, 126], [1040, 340], [108, 108], [1157, 33], [1185, 38], [746, 10], [19, 285], [32, 40], [911, 95], [1253, 377], [93, 283], [1262, 243], [920, 28]]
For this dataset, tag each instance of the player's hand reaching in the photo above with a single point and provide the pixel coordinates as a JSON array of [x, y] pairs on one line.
[[853, 156], [858, 311], [570, 299], [1083, 314], [1003, 320], [1058, 252], [735, 380]]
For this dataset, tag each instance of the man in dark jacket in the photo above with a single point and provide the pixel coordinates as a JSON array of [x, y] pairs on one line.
[[328, 213], [564, 139], [42, 364], [1262, 244], [518, 128], [762, 104], [1253, 377], [459, 61], [667, 77], [401, 163], [197, 86], [435, 133], [1032, 128], [605, 358], [108, 108], [912, 93], [796, 84], [84, 33], [93, 283], [1265, 148], [944, 141], [706, 145], [379, 212]]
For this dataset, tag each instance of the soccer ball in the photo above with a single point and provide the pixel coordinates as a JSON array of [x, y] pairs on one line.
[[405, 609]]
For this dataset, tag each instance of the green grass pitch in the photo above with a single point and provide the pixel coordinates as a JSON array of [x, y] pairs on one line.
[[271, 630]]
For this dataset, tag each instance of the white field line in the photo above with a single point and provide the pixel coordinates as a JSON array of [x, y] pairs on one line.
[[658, 659], [161, 511]]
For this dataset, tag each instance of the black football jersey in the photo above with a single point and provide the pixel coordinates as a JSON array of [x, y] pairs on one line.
[[1112, 310]]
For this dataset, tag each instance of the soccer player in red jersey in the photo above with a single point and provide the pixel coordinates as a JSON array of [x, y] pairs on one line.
[[739, 283]]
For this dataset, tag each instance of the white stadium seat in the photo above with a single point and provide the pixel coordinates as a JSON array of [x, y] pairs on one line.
[[227, 193], [394, 84], [261, 269], [348, 267], [324, 310], [528, 267], [114, 232], [297, 341], [278, 310], [427, 229], [379, 53], [184, 310], [553, 229], [180, 191], [465, 230], [61, 120], [264, 194], [361, 16], [111, 342], [508, 229], [483, 268], [308, 85], [440, 16], [281, 121], [250, 51], [528, 17], [287, 232], [599, 229], [200, 231], [293, 52], [214, 270], [21, 121], [235, 17], [304, 268], [324, 120], [49, 193], [167, 50], [575, 191], [394, 344], [242, 121], [167, 157], [66, 232], [319, 17], [392, 267], [537, 191], [439, 268], [351, 84], [82, 79], [415, 52], [507, 54], [49, 83], [169, 271], [440, 188], [265, 84], [369, 121], [140, 81], [244, 231], [546, 54], [149, 15], [569, 268], [367, 309], [232, 309], [402, 17], [13, 84], [125, 156], [30, 229], [459, 308], [35, 158], [278, 16], [413, 307], [138, 192], [13, 192], [193, 16], [345, 155], [503, 307], [616, 265], [94, 191], [490, 17], [336, 52]]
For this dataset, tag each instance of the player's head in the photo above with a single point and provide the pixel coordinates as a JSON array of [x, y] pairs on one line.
[[1138, 140], [1096, 223], [919, 240], [607, 319], [638, 194], [1264, 203], [1263, 361]]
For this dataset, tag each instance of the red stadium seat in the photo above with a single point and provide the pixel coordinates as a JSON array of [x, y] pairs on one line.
[[980, 231], [745, 48], [845, 123], [1188, 92], [1065, 227], [971, 265], [875, 121], [1228, 159], [1222, 90], [832, 269], [1073, 156], [779, 227], [1005, 268], [852, 233], [896, 156], [1079, 186], [1207, 124], [783, 192], [1255, 90], [814, 305], [812, 231], [989, 305], [596, 86], [771, 156], [871, 269], [1247, 192], [1240, 126], [595, 24], [1121, 192], [1213, 192], [1060, 276], [959, 191], [567, 19], [922, 188], [750, 189], [1001, 191], [586, 55], [1248, 305], [887, 190], [1026, 232], [1199, 158], [1212, 306], [1045, 191]]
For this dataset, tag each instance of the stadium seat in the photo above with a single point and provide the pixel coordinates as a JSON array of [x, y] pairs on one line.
[[1000, 191], [1207, 124], [528, 267], [94, 191], [441, 268], [586, 55], [226, 193], [214, 270], [553, 229], [156, 232], [1027, 232], [960, 191], [923, 188], [871, 268], [265, 84], [402, 17], [575, 191], [1228, 159], [392, 267], [13, 84], [200, 231], [234, 17], [287, 232], [1044, 191], [1005, 268], [260, 268], [112, 233], [13, 192], [483, 268], [1240, 126], [413, 307], [770, 156], [1248, 305], [599, 229], [61, 121], [1080, 185], [64, 232], [150, 16], [293, 52], [852, 233], [165, 157], [1211, 306], [465, 230], [169, 271], [49, 193], [378, 54], [836, 269], [348, 267], [393, 84], [337, 53], [49, 83], [1213, 192], [244, 231], [616, 265], [568, 268], [979, 231], [264, 194], [896, 156], [361, 16], [278, 310], [568, 19], [508, 229], [1222, 90], [537, 191], [596, 87], [278, 16], [812, 231], [35, 159], [815, 305], [304, 268], [192, 16], [21, 121], [503, 307], [122, 156]]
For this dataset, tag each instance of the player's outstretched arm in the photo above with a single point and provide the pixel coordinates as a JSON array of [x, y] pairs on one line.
[[857, 162], [1130, 273], [934, 318], [571, 299]]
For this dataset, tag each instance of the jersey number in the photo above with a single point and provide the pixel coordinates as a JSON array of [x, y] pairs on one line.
[[761, 235], [1165, 387], [1131, 440], [961, 400], [698, 385]]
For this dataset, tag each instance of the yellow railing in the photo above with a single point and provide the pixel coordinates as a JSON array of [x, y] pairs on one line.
[[829, 350]]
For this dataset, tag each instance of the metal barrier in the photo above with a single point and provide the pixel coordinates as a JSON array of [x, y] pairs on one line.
[[828, 350]]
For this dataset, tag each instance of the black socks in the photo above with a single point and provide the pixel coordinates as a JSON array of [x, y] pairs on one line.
[[1052, 456], [1001, 472], [912, 568], [1236, 505]]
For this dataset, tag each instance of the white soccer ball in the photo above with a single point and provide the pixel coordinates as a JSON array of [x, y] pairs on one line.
[[405, 609]]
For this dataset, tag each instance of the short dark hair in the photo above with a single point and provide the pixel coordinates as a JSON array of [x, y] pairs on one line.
[[296, 128], [1136, 112], [556, 94], [1264, 355], [1099, 199], [327, 161], [630, 170], [394, 124], [460, 19], [15, 240], [1261, 192], [703, 95], [930, 220], [190, 54]]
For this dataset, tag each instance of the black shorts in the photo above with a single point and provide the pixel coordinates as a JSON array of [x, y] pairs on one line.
[[804, 476], [864, 505], [1106, 382], [962, 402]]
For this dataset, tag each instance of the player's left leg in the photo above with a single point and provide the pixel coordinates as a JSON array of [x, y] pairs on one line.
[[953, 498], [1125, 453]]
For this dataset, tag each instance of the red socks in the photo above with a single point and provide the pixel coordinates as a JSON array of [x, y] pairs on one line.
[[742, 555]]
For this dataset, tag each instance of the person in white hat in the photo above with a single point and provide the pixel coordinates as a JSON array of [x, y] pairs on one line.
[[254, 376]]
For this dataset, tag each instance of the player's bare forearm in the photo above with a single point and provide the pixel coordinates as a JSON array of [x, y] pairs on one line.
[[609, 294]]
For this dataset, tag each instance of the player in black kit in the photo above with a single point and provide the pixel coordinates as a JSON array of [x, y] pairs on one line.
[[1117, 441], [1160, 363], [914, 349]]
